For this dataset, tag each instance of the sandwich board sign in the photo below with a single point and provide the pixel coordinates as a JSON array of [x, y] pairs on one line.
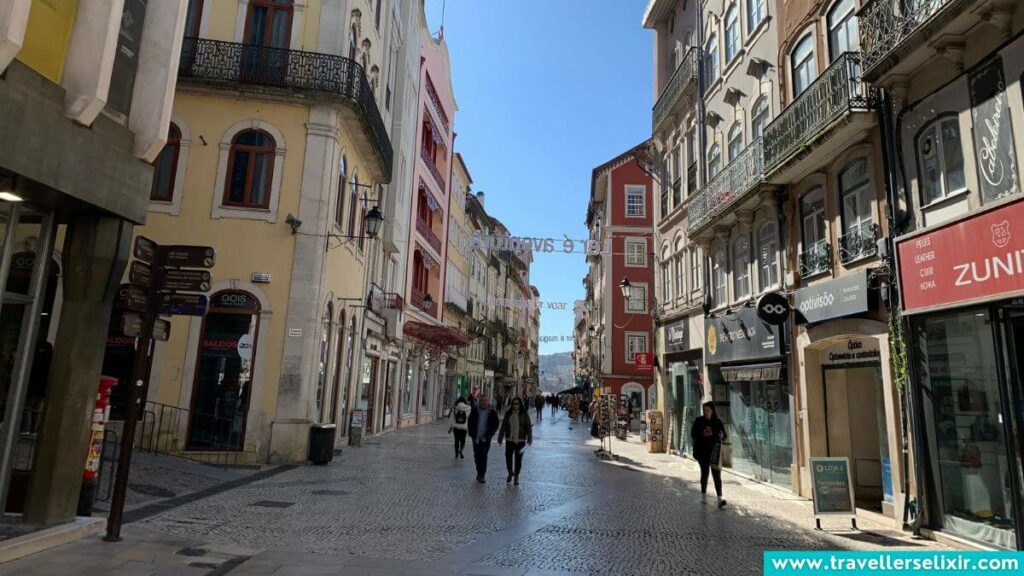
[[833, 489]]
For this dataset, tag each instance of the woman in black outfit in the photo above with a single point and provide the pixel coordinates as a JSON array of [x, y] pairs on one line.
[[707, 433]]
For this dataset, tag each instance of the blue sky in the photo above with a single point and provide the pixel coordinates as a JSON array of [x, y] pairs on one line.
[[547, 90]]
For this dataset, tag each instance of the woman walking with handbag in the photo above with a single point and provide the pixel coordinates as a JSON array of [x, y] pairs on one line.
[[517, 429], [707, 434]]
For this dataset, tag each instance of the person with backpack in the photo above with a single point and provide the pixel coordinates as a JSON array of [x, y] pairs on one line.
[[707, 434], [458, 423]]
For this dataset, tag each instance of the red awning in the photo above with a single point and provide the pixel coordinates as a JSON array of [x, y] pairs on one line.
[[440, 336]]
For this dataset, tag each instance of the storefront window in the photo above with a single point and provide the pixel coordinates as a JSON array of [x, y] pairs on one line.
[[389, 387], [407, 405], [321, 368], [966, 421], [425, 386], [757, 423]]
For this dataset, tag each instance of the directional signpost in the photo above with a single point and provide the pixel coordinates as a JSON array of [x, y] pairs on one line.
[[162, 281]]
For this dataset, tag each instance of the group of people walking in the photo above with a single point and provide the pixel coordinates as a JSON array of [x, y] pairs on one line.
[[480, 422]]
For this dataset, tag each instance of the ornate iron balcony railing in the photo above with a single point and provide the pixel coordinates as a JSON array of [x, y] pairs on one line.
[[728, 187], [216, 62], [817, 258], [419, 301], [425, 231], [834, 94], [885, 25], [432, 168], [684, 77], [858, 243]]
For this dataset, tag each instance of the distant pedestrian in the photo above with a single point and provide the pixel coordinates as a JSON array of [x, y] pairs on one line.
[[538, 403], [553, 400], [585, 410], [483, 424], [517, 429], [458, 423], [707, 435]]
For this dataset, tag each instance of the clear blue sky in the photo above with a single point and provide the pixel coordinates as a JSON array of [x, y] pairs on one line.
[[547, 90]]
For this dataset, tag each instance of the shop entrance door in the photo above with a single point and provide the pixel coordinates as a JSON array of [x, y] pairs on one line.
[[855, 429], [759, 430], [1013, 351]]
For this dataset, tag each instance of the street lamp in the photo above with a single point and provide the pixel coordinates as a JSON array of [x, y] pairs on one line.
[[374, 219], [626, 288], [427, 301]]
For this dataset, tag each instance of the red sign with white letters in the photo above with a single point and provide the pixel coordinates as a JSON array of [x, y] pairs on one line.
[[643, 361], [977, 258]]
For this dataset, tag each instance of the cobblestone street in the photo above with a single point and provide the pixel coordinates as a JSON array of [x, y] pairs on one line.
[[402, 504]]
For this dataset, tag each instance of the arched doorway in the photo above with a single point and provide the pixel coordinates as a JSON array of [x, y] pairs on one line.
[[224, 371]]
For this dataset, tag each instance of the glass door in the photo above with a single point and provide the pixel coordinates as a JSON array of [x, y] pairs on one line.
[[268, 31], [1013, 351]]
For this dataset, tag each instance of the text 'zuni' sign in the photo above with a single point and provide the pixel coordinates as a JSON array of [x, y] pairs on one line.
[[978, 258]]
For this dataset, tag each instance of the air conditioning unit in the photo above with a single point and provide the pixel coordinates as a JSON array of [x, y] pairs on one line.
[[393, 323]]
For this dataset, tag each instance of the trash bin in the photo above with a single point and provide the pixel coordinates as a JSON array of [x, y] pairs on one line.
[[321, 443]]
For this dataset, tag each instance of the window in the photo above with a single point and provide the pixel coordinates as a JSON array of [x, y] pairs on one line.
[[376, 15], [815, 254], [680, 268], [324, 361], [696, 268], [941, 160], [340, 374], [842, 29], [353, 205], [425, 386], [165, 167], [718, 278], [757, 10], [711, 60], [636, 342], [637, 301], [250, 168], [677, 188], [636, 252], [193, 18], [339, 202], [735, 140], [858, 238], [714, 161], [269, 23], [666, 276], [732, 33], [691, 163], [768, 257], [741, 268], [803, 64], [759, 117], [635, 204]]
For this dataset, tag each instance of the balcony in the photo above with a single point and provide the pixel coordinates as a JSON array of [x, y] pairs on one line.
[[427, 233], [858, 243], [817, 121], [491, 362], [418, 302], [682, 81], [816, 259], [891, 30], [330, 77], [731, 185], [432, 168]]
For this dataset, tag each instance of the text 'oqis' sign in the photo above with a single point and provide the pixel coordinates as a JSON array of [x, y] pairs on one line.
[[978, 258]]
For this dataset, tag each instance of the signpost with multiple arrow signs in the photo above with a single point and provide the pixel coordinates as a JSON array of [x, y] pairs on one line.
[[162, 281]]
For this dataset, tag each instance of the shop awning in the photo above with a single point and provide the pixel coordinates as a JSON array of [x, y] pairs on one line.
[[752, 372], [439, 336]]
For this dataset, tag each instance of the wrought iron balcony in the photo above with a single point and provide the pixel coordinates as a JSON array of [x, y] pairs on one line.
[[230, 63], [889, 27], [817, 258], [728, 187], [858, 243], [432, 168], [837, 92], [427, 233], [683, 79], [418, 300]]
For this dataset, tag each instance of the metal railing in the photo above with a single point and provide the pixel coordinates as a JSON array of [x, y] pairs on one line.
[[684, 77], [427, 233], [886, 24], [208, 438], [216, 61], [432, 167], [418, 300], [817, 258], [832, 95], [860, 242], [728, 187]]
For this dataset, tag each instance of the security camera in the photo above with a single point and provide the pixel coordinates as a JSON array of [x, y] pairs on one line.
[[294, 222]]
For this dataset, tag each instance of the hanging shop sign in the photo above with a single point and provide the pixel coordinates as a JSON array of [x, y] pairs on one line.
[[993, 137], [740, 335], [677, 336], [974, 259], [851, 353], [773, 308], [643, 362], [843, 296], [833, 490]]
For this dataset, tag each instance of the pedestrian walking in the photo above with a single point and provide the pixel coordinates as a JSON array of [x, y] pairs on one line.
[[585, 410], [538, 403], [483, 424], [458, 424], [707, 434], [553, 400], [518, 431]]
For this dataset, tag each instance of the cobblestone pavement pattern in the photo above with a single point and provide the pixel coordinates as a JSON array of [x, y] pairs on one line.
[[402, 504]]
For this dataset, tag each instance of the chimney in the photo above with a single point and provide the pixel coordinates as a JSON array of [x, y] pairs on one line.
[[480, 198]]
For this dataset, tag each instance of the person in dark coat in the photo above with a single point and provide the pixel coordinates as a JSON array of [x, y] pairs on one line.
[[538, 404], [483, 425], [707, 434], [517, 429]]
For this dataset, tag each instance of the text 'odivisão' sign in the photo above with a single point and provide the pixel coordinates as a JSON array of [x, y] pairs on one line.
[[977, 258]]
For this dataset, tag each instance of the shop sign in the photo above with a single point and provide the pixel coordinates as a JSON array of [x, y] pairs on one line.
[[126, 56], [981, 257], [851, 352], [773, 308], [843, 296], [752, 373], [993, 138], [833, 490], [235, 300], [187, 280], [188, 256], [643, 362], [183, 305], [677, 335], [145, 249], [740, 335]]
